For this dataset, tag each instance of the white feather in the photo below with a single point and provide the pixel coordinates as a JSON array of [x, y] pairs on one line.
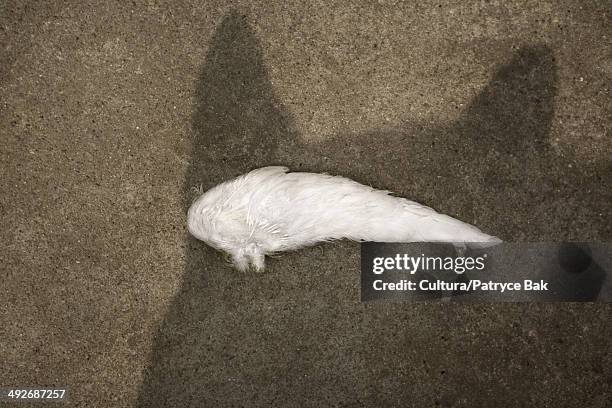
[[270, 210]]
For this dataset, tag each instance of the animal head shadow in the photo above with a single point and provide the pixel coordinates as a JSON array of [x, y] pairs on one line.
[[237, 122], [486, 158]]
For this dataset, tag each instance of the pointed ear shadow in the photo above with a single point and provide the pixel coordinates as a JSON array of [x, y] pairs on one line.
[[515, 109], [449, 166], [237, 121], [237, 125], [439, 165]]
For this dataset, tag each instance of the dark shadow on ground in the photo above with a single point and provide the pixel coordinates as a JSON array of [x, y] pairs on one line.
[[237, 126], [494, 166], [297, 334]]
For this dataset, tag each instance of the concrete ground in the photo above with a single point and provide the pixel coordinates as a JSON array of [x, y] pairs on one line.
[[496, 112]]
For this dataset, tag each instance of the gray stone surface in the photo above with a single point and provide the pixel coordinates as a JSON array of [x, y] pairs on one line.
[[495, 112]]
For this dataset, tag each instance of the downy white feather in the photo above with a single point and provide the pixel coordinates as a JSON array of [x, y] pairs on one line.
[[270, 210]]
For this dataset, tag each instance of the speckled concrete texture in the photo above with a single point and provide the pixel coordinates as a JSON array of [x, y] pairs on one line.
[[497, 113]]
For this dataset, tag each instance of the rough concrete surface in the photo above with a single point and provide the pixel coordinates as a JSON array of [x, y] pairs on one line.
[[495, 112]]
